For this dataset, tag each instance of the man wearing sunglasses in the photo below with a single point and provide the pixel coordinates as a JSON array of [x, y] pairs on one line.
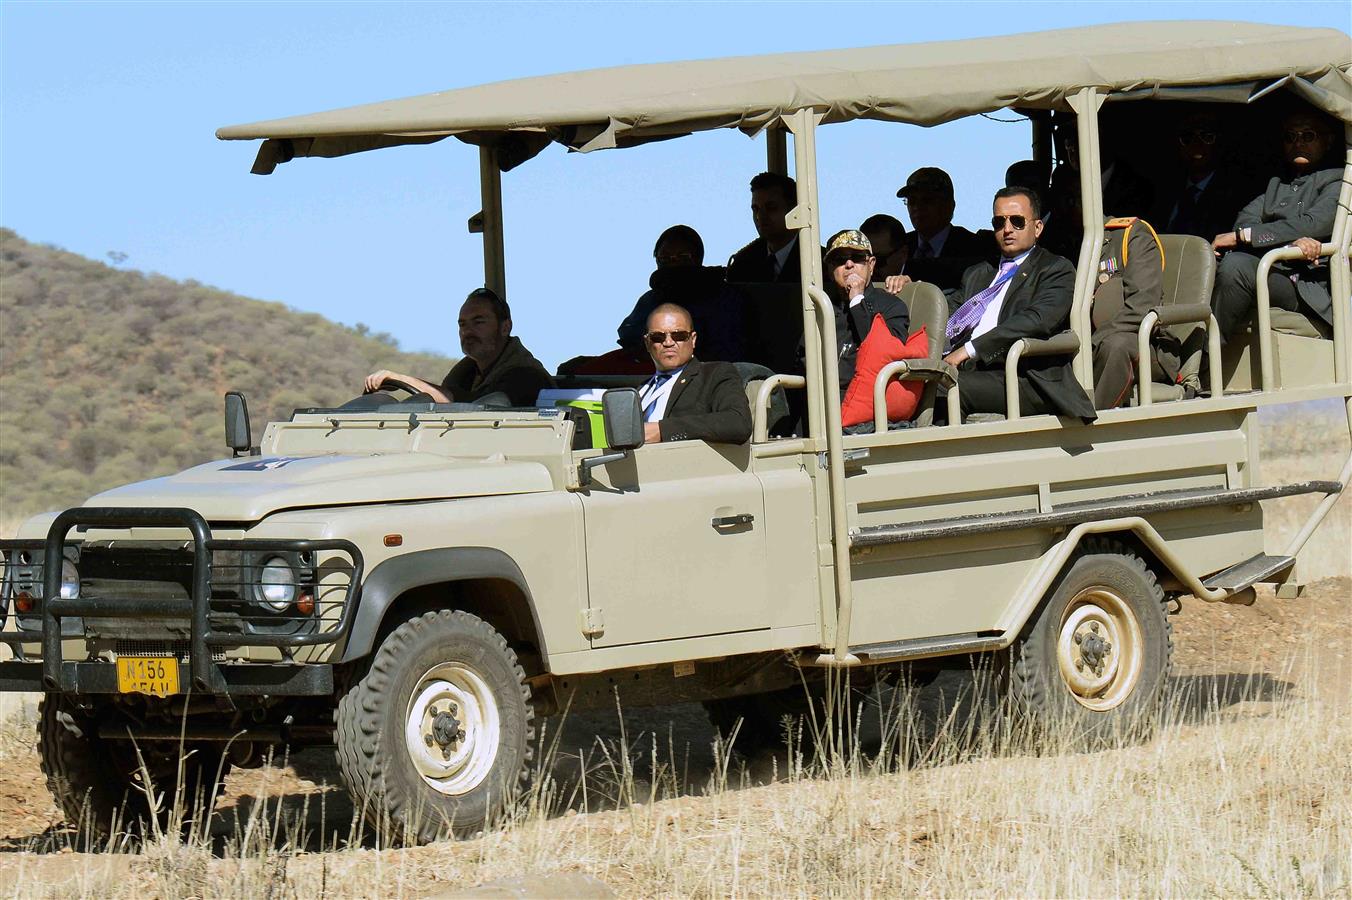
[[1028, 296], [1207, 198], [849, 274], [1298, 212], [685, 399]]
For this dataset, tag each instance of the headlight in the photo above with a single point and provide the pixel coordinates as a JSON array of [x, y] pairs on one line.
[[70, 580], [276, 584]]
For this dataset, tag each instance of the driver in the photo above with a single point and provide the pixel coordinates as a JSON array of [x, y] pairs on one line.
[[494, 362]]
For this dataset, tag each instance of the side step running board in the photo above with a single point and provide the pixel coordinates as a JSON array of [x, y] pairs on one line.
[[1252, 571]]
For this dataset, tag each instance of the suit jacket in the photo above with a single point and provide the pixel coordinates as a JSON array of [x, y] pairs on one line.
[[1036, 305], [1302, 207], [854, 322], [707, 403], [752, 264], [962, 249], [1212, 213]]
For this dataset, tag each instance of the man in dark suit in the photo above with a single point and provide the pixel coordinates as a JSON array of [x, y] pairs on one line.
[[850, 266], [773, 255], [1208, 197], [1298, 212], [1029, 296], [938, 251], [687, 400]]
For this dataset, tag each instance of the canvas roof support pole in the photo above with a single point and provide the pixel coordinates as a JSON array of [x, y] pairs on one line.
[[1086, 104], [490, 190], [1041, 120], [776, 150], [823, 375]]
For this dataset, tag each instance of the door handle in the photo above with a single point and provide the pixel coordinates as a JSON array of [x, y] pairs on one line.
[[729, 521]]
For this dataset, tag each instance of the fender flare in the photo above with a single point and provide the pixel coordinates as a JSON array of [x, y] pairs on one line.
[[394, 577]]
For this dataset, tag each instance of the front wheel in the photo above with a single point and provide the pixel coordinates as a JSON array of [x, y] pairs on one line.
[[437, 736], [1093, 661]]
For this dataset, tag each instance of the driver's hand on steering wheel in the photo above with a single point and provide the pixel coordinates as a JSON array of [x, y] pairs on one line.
[[376, 379]]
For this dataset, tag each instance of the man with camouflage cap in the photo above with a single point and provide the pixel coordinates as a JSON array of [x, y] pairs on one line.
[[849, 265]]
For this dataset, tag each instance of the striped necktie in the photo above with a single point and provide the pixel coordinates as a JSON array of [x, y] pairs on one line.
[[653, 392], [970, 313]]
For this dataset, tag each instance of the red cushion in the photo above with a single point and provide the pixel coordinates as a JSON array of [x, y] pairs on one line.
[[880, 348]]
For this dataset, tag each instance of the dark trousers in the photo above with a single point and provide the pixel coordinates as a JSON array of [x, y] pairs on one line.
[[1235, 296], [983, 391], [1115, 369]]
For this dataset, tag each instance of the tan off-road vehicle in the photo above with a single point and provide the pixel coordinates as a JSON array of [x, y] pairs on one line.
[[417, 585]]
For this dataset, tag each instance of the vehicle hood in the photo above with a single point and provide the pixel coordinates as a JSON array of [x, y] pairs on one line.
[[249, 488]]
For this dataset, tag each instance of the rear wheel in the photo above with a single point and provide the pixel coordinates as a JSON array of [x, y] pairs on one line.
[[1093, 661], [437, 736]]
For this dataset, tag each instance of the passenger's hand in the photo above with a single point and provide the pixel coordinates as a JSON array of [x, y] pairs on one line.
[[894, 283], [376, 379], [1226, 241], [1309, 247], [957, 357], [652, 432], [855, 284]]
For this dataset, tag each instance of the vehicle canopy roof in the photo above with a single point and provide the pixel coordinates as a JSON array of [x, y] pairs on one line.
[[921, 84]]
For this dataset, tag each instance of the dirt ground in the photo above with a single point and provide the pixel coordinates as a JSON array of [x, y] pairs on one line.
[[1240, 660]]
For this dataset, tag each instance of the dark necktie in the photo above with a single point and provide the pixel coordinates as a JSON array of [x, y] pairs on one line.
[[1185, 220], [924, 251], [652, 391]]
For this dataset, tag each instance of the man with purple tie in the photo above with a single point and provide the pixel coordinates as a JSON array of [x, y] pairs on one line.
[[1027, 296]]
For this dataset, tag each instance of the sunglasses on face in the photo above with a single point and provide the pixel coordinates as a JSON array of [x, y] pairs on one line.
[[858, 257], [1018, 223], [1301, 137], [1196, 137], [675, 259], [660, 337]]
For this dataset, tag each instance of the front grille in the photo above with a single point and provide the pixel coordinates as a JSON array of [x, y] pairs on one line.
[[171, 649]]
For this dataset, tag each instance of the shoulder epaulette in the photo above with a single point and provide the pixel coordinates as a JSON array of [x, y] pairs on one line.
[[1128, 221], [1121, 222]]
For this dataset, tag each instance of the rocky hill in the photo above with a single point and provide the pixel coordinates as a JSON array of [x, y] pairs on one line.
[[109, 376]]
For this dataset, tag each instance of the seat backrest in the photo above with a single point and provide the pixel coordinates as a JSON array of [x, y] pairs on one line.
[[1189, 273], [928, 309], [772, 325]]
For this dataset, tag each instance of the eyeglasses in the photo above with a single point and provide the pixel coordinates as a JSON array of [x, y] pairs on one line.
[[1018, 223], [660, 337], [858, 257], [675, 259], [1196, 137], [1301, 137]]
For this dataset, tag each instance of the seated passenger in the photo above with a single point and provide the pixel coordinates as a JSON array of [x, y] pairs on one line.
[[939, 251], [681, 277], [773, 256], [849, 283], [494, 362], [1130, 283], [1297, 211], [1207, 197], [685, 399], [1030, 173], [888, 237], [1028, 297]]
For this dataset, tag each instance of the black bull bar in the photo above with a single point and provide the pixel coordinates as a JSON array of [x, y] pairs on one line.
[[206, 674]]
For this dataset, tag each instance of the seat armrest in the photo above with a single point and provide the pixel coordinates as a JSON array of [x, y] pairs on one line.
[[1180, 313], [911, 370], [1065, 342]]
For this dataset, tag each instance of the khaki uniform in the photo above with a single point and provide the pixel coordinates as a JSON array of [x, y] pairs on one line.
[[1130, 283]]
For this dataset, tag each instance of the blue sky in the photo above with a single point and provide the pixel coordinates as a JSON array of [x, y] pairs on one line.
[[108, 113]]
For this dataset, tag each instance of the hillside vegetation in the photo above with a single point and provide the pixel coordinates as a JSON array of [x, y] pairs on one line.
[[110, 376]]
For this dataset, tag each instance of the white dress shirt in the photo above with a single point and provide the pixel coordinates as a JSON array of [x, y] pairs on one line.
[[661, 393], [991, 317], [780, 257]]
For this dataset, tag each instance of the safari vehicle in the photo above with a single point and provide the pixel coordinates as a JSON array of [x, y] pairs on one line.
[[417, 585]]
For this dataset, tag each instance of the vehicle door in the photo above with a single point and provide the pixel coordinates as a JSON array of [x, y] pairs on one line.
[[676, 544]]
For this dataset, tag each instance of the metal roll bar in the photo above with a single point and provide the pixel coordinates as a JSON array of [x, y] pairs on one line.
[[1177, 315], [761, 414], [924, 370]]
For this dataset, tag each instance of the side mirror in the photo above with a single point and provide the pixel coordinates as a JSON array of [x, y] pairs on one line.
[[623, 418], [237, 434]]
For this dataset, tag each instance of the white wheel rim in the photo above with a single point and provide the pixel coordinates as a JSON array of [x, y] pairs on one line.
[[456, 766], [1099, 649]]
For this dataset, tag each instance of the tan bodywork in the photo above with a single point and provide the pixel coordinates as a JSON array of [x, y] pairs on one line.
[[634, 568]]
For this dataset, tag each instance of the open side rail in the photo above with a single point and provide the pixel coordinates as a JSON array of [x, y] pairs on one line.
[[207, 624]]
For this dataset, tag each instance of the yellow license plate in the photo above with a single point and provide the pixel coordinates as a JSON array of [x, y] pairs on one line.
[[155, 675]]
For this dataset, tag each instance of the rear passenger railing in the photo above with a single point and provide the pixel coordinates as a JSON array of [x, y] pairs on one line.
[[1264, 303], [222, 611], [1177, 314], [922, 370], [760, 418]]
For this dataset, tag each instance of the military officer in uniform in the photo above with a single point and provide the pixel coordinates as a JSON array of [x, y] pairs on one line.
[[1130, 283]]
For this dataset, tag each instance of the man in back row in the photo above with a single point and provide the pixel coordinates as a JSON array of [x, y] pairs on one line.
[[494, 362], [938, 251]]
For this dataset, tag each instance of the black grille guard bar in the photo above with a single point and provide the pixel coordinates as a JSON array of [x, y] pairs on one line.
[[206, 676]]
